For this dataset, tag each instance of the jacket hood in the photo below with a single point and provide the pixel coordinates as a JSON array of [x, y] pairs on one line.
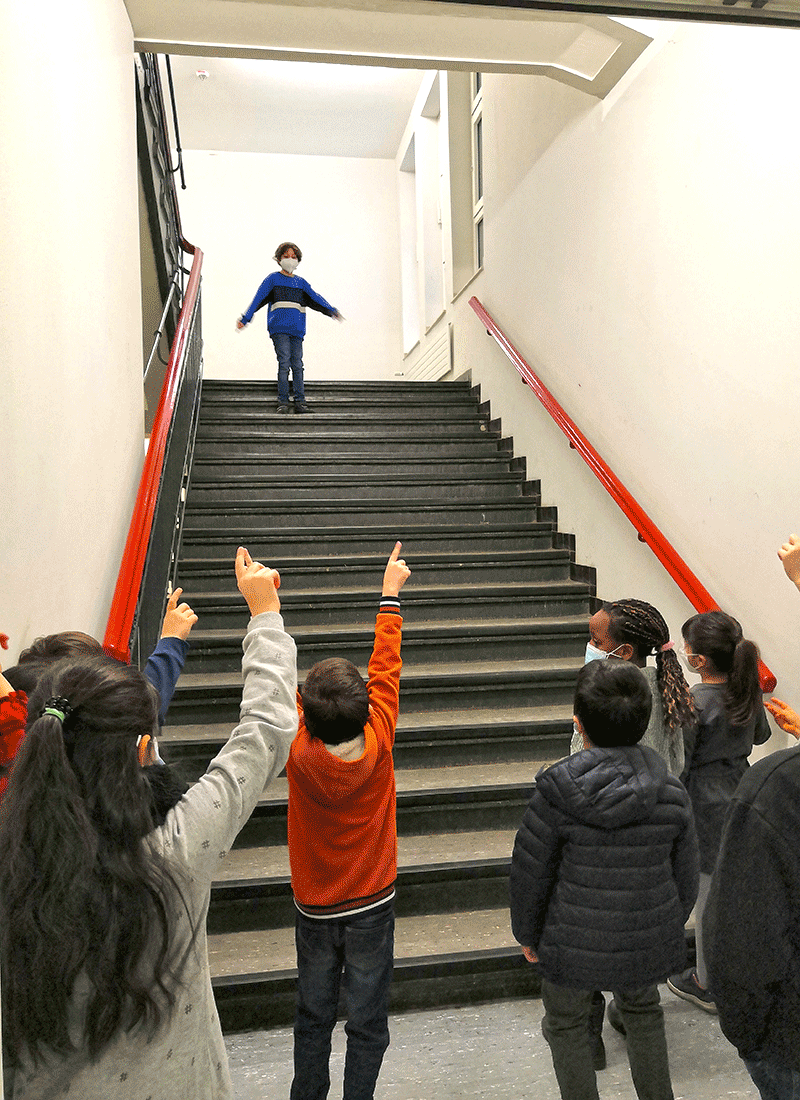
[[605, 788]]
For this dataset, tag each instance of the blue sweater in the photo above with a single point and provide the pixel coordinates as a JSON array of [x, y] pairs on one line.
[[286, 297]]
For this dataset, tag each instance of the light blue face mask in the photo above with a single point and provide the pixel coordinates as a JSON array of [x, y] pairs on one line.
[[595, 654]]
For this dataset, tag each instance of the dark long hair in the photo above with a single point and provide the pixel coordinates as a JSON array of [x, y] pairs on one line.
[[643, 627], [718, 637], [81, 895]]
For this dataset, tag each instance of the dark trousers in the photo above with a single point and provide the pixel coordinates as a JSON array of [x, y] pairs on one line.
[[356, 953], [773, 1081], [565, 1027], [289, 352]]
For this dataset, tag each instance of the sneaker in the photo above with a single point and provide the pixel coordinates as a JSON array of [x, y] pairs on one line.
[[300, 407], [280, 408], [615, 1018], [686, 985]]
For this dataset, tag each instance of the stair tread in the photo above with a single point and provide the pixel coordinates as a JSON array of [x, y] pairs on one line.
[[345, 562], [461, 670], [242, 865], [417, 595], [502, 717], [273, 950]]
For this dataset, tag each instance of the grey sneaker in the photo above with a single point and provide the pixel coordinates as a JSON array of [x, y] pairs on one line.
[[279, 408]]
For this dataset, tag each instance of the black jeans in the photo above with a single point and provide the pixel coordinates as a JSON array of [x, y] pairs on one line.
[[357, 953], [565, 1027]]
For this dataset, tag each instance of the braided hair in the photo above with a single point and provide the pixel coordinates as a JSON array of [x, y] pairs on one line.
[[644, 628]]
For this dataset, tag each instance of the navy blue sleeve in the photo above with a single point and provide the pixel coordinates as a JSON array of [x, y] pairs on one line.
[[316, 301], [163, 668], [259, 300]]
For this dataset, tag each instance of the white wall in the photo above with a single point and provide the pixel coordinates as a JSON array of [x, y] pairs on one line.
[[643, 257], [70, 375], [343, 214]]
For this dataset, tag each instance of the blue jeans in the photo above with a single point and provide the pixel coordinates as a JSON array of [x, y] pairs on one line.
[[360, 950], [773, 1081], [289, 350], [565, 1027]]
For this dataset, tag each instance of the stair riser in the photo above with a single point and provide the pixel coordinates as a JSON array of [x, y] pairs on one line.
[[369, 470], [217, 391], [439, 982], [348, 415], [284, 446], [234, 617], [300, 429], [222, 658], [343, 577], [260, 515], [191, 707], [289, 543], [273, 907], [303, 488]]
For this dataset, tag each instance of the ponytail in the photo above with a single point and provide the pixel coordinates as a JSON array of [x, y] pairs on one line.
[[718, 637]]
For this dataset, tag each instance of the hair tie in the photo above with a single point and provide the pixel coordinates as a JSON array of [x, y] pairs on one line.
[[666, 646], [58, 707]]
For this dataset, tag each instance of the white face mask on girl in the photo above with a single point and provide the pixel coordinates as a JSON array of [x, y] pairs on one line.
[[595, 654], [289, 264]]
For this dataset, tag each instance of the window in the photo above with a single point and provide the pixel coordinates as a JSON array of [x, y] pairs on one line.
[[477, 169]]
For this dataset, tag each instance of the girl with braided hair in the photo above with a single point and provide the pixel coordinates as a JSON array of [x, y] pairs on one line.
[[730, 720], [632, 630]]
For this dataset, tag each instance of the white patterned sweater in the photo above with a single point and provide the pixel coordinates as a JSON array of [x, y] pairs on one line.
[[186, 1059]]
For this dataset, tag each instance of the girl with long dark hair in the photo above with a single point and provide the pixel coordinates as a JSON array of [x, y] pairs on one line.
[[730, 720], [105, 976]]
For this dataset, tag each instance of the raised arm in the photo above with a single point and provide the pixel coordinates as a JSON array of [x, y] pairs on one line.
[[383, 685]]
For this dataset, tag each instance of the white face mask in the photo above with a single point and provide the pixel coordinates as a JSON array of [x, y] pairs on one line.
[[595, 654], [289, 264]]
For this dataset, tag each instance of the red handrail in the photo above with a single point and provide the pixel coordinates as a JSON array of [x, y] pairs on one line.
[[129, 581], [698, 596]]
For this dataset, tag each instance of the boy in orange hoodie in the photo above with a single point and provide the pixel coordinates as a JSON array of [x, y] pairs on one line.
[[343, 855]]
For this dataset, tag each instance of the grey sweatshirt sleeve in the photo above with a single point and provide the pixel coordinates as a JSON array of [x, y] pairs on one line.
[[202, 827]]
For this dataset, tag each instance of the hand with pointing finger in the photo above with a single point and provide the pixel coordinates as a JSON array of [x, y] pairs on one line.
[[789, 554], [178, 620], [257, 583], [396, 573]]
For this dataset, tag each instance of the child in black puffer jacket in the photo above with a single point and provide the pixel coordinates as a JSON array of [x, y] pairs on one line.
[[603, 878]]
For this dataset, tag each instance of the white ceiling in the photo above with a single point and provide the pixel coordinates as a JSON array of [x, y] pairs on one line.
[[254, 106]]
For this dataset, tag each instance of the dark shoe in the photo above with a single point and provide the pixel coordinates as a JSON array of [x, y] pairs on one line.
[[279, 408], [685, 985], [615, 1018], [300, 407], [596, 1014]]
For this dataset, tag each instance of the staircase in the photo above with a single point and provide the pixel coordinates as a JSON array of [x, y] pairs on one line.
[[495, 623]]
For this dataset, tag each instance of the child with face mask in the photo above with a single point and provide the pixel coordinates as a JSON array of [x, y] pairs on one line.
[[286, 296]]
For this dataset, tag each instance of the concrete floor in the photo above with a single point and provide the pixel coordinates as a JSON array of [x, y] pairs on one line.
[[497, 1051]]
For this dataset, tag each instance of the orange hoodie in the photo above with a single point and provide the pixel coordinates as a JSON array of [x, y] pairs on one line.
[[342, 806]]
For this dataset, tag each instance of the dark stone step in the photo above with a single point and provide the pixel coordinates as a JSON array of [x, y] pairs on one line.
[[419, 813], [365, 571], [330, 446], [220, 651], [349, 414], [260, 903], [215, 697], [255, 515], [546, 599], [346, 542], [330, 428], [471, 738], [247, 1002], [332, 487], [217, 389], [370, 468]]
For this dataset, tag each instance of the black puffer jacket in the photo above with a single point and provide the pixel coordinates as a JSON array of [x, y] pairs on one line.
[[604, 871]]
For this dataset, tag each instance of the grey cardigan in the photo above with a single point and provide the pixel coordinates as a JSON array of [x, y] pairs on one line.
[[186, 1059]]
